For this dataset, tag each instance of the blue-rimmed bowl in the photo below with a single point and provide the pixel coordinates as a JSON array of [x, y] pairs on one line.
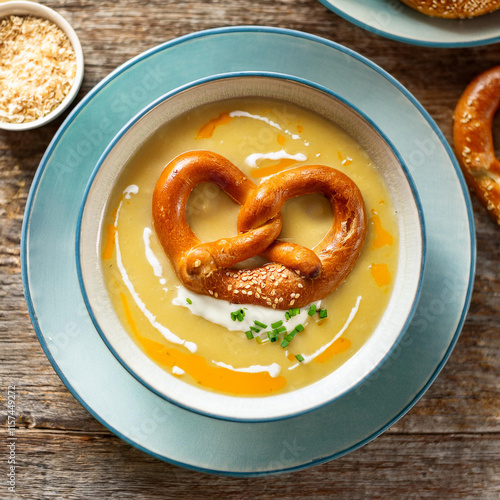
[[313, 97]]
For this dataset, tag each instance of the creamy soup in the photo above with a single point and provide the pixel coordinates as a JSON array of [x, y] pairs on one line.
[[241, 349]]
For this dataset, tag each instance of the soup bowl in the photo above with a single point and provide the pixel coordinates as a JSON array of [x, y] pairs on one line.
[[120, 331]]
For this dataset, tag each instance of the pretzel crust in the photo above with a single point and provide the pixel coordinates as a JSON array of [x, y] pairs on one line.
[[473, 138], [454, 9], [296, 276]]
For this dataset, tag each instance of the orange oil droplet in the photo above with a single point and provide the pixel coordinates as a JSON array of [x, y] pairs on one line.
[[300, 128], [212, 377], [272, 169], [339, 346], [281, 139], [382, 237], [208, 129], [109, 246], [381, 274]]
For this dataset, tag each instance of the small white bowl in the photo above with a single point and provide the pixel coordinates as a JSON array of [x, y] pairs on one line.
[[411, 246], [34, 9]]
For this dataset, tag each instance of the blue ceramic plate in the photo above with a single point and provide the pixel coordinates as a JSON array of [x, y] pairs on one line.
[[98, 380], [393, 19]]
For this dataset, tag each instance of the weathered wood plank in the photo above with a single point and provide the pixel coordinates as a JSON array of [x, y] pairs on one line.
[[447, 446], [413, 467]]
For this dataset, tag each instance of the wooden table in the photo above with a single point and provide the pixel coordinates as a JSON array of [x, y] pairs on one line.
[[446, 447]]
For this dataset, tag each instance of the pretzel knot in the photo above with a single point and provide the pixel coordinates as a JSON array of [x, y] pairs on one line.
[[295, 275]]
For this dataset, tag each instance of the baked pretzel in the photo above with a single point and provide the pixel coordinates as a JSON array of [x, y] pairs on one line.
[[296, 276], [454, 9], [474, 140]]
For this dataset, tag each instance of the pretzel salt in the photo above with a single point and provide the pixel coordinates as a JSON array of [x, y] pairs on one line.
[[474, 140], [296, 276]]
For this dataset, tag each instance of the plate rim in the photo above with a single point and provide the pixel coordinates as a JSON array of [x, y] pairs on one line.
[[164, 46], [411, 41]]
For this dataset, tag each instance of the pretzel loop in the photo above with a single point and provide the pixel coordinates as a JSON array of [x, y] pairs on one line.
[[296, 276], [473, 138]]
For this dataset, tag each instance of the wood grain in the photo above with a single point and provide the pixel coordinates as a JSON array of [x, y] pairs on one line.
[[446, 447]]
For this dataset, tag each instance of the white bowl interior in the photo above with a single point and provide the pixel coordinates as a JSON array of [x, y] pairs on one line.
[[38, 10], [406, 286]]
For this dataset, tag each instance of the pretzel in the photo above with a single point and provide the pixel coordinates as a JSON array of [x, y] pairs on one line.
[[474, 140], [296, 276]]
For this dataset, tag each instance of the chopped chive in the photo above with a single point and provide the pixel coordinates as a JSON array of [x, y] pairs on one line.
[[299, 327], [312, 310], [254, 329], [284, 343], [281, 329], [323, 313], [287, 315], [292, 312], [249, 335], [189, 301], [259, 340], [289, 337], [277, 324], [297, 311], [299, 357], [272, 336], [258, 323], [238, 315]]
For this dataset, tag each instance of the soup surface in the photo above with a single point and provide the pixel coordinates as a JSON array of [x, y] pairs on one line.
[[197, 338]]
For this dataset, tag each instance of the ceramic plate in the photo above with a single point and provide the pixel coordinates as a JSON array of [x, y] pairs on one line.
[[393, 19], [98, 380]]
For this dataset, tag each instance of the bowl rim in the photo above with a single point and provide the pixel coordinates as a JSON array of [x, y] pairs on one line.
[[185, 87], [32, 8]]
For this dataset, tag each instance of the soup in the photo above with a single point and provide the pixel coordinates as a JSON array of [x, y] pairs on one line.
[[241, 349]]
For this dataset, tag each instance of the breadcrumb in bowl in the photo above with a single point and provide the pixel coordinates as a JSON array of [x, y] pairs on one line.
[[41, 65]]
